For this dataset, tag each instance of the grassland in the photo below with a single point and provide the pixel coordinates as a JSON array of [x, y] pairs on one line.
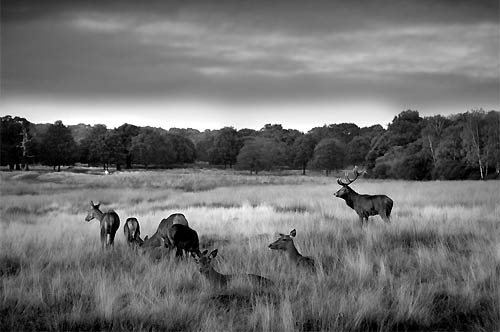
[[436, 267]]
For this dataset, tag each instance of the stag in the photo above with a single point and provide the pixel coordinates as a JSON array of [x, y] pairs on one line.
[[132, 232], [218, 279], [285, 243], [110, 222], [163, 227], [364, 205]]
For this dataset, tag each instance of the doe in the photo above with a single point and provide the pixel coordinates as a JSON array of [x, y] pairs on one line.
[[285, 243], [132, 232], [218, 279], [182, 237], [162, 230], [110, 222]]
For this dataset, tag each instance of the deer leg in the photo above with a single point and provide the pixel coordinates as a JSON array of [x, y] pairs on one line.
[[103, 238], [112, 239], [361, 219]]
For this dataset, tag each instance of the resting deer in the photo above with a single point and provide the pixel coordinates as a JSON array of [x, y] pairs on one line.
[[132, 232], [364, 205], [218, 279], [163, 227], [110, 222], [285, 243]]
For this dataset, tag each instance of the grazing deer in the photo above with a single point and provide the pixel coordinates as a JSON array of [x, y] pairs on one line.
[[132, 232], [285, 243], [110, 222], [364, 205], [161, 232], [218, 279], [182, 237]]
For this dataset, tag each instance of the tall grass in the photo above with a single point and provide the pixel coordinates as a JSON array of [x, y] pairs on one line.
[[435, 267]]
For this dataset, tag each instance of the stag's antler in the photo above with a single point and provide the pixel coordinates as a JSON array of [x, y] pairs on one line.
[[349, 180]]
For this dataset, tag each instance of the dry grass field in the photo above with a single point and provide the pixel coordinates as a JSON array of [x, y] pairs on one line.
[[435, 267]]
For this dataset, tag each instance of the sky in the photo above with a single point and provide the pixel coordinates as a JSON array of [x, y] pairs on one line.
[[209, 64]]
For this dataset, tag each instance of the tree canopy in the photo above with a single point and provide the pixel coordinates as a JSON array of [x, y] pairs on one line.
[[459, 146]]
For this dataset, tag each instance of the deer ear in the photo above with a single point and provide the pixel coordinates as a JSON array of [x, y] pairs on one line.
[[281, 234], [204, 252], [213, 254], [293, 233], [91, 203], [146, 238]]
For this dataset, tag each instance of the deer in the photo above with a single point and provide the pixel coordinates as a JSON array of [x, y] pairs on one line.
[[110, 222], [221, 280], [161, 232], [182, 237], [364, 205], [132, 232], [285, 243]]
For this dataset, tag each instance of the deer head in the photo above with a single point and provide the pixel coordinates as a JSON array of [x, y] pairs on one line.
[[92, 212], [204, 259], [284, 241]]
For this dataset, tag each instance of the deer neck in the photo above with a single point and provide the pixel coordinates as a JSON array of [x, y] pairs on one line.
[[350, 198], [98, 214], [292, 252], [214, 276]]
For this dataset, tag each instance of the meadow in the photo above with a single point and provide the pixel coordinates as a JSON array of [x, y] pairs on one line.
[[436, 267]]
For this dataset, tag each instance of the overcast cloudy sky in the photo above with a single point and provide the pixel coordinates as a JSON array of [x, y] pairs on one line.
[[208, 64]]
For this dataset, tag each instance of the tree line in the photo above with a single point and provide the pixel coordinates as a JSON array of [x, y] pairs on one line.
[[460, 146]]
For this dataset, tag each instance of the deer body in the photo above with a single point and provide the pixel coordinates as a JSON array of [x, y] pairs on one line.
[[183, 237], [364, 205], [221, 280], [163, 227], [132, 232], [285, 243], [109, 222]]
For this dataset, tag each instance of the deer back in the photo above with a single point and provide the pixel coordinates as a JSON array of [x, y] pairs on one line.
[[110, 222], [183, 237]]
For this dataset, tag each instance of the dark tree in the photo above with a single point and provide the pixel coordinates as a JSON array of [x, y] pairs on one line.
[[303, 149], [450, 155], [152, 148], [185, 151], [15, 142], [405, 128], [58, 146], [125, 134], [226, 147], [260, 153], [204, 144], [91, 146], [492, 141], [357, 149], [328, 155]]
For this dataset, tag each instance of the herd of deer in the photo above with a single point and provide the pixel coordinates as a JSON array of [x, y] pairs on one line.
[[174, 233]]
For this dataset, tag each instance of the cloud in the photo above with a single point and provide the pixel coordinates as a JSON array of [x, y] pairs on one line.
[[99, 23], [255, 50]]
